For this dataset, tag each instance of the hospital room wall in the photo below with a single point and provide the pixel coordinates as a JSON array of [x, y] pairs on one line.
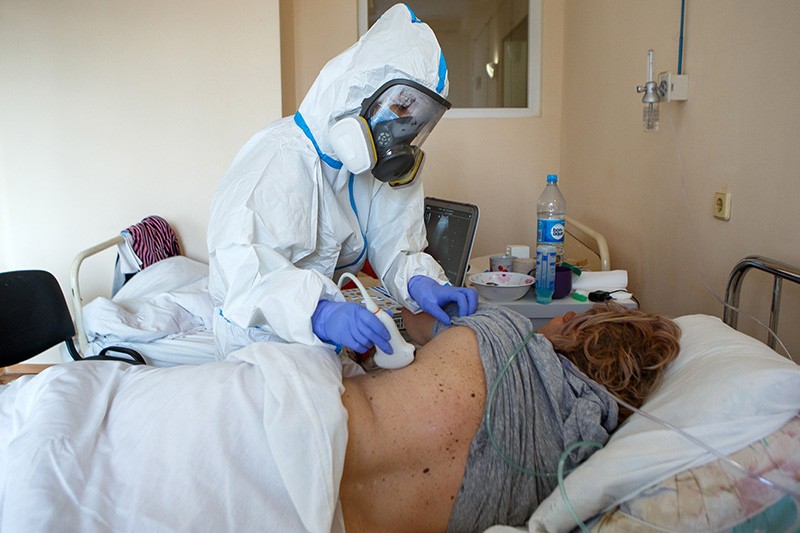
[[113, 111], [651, 194]]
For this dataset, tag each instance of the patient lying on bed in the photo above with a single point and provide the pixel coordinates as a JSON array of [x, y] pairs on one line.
[[275, 439]]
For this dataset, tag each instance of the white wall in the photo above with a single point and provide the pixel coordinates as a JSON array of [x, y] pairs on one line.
[[112, 111]]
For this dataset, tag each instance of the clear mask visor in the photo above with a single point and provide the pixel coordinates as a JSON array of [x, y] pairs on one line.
[[404, 110]]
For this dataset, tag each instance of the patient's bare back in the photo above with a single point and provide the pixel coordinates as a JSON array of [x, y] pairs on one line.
[[409, 436]]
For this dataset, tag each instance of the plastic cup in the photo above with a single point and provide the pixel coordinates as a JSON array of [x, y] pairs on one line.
[[524, 265], [501, 263], [563, 282]]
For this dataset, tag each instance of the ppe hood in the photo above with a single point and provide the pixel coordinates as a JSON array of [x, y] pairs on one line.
[[397, 46]]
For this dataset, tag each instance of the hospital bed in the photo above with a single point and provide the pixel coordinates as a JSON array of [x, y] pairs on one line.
[[734, 462], [164, 312], [716, 448], [177, 285]]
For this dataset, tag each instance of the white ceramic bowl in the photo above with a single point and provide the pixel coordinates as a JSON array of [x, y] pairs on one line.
[[502, 285]]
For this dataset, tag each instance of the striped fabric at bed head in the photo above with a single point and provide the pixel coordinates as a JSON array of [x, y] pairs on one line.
[[152, 240]]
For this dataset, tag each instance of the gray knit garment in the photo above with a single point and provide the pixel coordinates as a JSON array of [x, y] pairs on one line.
[[541, 406]]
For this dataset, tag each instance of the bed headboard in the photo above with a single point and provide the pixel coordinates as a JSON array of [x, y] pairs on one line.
[[780, 271]]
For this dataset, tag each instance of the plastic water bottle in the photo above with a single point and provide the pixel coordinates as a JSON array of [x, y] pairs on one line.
[[545, 273], [550, 211]]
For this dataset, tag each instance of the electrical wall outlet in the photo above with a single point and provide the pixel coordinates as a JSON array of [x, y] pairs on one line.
[[722, 205], [673, 87]]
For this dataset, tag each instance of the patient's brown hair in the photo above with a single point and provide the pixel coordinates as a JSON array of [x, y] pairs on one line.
[[626, 350]]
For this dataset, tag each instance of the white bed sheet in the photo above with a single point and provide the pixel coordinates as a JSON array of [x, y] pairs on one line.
[[164, 312], [253, 443]]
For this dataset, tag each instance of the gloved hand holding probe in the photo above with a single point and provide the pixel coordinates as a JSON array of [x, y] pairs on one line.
[[349, 324]]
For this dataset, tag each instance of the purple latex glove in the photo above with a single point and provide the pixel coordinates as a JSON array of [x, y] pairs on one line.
[[349, 324], [433, 298]]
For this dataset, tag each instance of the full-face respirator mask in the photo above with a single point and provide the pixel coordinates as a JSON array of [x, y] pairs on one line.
[[385, 137]]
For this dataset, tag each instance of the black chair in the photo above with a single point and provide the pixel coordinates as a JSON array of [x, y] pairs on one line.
[[34, 316]]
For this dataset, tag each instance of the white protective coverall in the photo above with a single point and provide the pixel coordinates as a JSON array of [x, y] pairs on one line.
[[287, 219]]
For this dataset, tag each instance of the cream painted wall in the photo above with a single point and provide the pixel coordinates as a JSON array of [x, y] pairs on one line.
[[499, 164], [320, 31], [651, 194], [113, 111]]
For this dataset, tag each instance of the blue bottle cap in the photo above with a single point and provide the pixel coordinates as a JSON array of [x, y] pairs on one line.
[[551, 178]]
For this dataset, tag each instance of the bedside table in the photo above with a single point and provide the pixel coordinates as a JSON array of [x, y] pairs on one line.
[[539, 314]]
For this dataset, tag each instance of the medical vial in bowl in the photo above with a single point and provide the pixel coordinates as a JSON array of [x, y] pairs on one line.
[[545, 273]]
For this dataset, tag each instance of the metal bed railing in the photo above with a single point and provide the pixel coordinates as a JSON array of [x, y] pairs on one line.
[[590, 238], [75, 287], [779, 270]]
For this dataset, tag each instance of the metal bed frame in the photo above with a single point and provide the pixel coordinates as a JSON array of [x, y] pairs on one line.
[[75, 286], [591, 239], [780, 271]]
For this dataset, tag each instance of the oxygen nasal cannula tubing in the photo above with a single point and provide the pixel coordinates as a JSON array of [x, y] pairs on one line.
[[402, 352]]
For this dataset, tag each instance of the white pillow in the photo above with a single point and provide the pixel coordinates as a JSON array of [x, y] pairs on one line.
[[726, 389]]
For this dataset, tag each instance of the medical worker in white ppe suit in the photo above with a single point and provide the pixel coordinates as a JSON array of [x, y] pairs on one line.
[[316, 194]]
